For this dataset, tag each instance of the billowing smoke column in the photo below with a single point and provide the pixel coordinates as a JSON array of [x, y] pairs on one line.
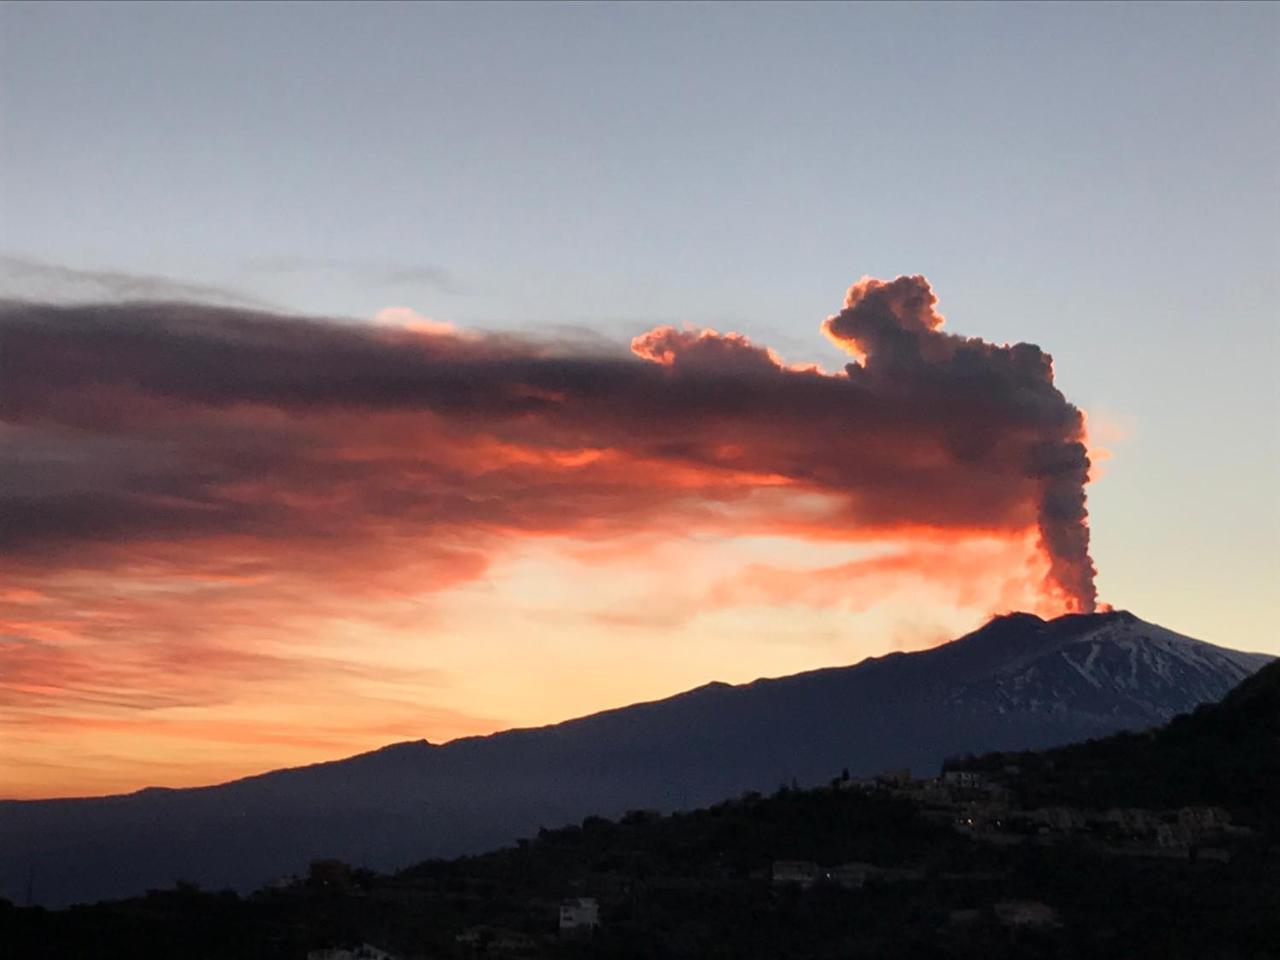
[[131, 430], [896, 333]]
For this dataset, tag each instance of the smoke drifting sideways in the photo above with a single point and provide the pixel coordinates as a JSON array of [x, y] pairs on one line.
[[151, 425]]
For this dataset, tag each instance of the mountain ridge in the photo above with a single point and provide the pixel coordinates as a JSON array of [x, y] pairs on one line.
[[985, 632], [414, 799], [1152, 844]]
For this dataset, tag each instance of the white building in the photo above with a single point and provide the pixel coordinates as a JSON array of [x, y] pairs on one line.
[[579, 915]]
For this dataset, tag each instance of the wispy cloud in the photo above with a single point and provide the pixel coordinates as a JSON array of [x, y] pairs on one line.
[[22, 278]]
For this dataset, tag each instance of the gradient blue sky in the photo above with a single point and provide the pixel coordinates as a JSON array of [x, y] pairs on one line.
[[1103, 180]]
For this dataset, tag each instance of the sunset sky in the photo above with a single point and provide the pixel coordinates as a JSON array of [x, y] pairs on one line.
[[493, 369]]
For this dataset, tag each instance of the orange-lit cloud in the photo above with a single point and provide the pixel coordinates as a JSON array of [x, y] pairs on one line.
[[997, 575], [189, 490], [406, 318]]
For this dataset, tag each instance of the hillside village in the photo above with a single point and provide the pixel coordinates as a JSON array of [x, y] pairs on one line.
[[985, 807], [976, 805]]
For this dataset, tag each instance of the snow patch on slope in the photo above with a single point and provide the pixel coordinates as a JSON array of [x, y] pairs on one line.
[[1110, 666]]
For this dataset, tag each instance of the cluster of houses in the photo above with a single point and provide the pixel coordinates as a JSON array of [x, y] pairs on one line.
[[971, 802], [983, 808], [979, 806]]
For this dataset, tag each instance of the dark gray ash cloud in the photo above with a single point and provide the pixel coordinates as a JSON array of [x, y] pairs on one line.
[[257, 425]]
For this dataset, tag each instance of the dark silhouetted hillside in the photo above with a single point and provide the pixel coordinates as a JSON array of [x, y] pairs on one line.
[[1225, 754]]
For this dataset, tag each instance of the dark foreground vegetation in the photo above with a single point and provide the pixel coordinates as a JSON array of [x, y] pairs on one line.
[[923, 878]]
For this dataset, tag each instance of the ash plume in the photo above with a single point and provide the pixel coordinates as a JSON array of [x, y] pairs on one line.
[[895, 331], [162, 424]]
